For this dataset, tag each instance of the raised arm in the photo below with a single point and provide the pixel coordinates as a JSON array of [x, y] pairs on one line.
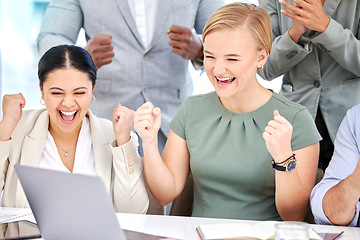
[[61, 24], [166, 175], [129, 185], [293, 188]]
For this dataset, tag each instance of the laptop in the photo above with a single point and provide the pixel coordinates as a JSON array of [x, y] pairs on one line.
[[72, 206]]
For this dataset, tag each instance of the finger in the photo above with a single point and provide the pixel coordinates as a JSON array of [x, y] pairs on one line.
[[274, 124], [276, 113], [295, 9], [102, 62], [103, 48], [266, 136], [157, 118], [178, 29], [156, 112], [270, 130], [176, 36], [103, 39], [147, 105]]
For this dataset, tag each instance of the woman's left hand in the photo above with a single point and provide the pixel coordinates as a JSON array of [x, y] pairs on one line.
[[277, 136], [123, 119]]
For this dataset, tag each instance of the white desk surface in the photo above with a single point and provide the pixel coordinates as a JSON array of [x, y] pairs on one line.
[[184, 227], [180, 227]]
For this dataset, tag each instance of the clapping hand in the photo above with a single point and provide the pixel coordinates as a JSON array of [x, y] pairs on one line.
[[309, 13], [277, 136], [123, 119], [147, 121], [100, 49], [185, 43]]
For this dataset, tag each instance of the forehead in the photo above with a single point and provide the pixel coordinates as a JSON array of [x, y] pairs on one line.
[[68, 77], [238, 39]]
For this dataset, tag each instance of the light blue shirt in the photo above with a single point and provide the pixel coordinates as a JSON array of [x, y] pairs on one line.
[[342, 165]]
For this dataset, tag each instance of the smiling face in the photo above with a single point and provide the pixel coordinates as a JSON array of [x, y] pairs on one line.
[[67, 94], [231, 60]]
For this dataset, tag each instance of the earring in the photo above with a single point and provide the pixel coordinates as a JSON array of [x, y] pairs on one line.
[[42, 102], [93, 99]]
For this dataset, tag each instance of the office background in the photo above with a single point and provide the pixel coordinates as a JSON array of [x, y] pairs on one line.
[[20, 23]]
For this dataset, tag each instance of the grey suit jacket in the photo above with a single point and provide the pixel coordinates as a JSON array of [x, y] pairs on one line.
[[120, 167], [325, 72], [136, 74]]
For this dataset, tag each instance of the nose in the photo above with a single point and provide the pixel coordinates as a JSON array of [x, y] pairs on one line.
[[219, 68], [68, 101]]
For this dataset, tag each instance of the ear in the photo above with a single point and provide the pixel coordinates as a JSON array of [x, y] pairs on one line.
[[263, 56]]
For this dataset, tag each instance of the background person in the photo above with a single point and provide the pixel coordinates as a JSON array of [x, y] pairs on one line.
[[316, 46], [66, 136], [139, 47], [220, 136]]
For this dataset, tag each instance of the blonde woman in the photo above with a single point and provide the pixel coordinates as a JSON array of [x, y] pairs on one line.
[[253, 153]]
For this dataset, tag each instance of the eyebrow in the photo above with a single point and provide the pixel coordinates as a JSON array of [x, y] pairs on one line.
[[227, 55], [60, 89]]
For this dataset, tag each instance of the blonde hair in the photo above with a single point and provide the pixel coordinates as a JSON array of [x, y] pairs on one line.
[[237, 15]]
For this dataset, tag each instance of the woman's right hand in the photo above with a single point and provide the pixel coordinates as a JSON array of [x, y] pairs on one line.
[[147, 121], [12, 106]]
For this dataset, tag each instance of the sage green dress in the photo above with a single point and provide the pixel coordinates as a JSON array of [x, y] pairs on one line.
[[231, 167]]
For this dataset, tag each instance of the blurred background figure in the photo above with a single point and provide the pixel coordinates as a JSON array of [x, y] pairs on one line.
[[140, 48], [316, 46]]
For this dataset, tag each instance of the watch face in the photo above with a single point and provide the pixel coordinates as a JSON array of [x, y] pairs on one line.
[[291, 165]]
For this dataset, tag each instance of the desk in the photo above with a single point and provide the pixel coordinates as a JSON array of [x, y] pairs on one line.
[[184, 227]]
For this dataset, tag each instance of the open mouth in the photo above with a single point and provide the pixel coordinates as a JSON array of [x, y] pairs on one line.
[[224, 81], [68, 116]]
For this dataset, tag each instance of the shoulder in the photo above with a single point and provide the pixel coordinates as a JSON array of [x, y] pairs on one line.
[[30, 117], [354, 112], [201, 99], [289, 109], [199, 103]]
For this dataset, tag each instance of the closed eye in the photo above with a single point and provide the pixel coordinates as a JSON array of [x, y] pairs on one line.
[[232, 59]]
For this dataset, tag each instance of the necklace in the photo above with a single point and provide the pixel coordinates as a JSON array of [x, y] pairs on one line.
[[65, 151]]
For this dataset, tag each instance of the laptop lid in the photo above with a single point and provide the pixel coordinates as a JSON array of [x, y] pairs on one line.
[[71, 206]]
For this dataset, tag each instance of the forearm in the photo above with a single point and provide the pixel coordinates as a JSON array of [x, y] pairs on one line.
[[160, 179], [129, 188], [6, 129], [291, 197], [340, 201], [61, 24]]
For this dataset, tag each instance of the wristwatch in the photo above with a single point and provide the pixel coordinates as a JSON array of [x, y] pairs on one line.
[[286, 166]]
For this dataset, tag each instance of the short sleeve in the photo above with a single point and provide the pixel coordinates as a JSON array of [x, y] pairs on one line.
[[305, 132], [178, 123]]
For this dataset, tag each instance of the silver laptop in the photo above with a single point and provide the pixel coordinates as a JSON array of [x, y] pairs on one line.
[[72, 206]]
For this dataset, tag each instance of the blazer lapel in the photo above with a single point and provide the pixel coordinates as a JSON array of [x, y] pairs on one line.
[[102, 152], [162, 13], [32, 150], [129, 19]]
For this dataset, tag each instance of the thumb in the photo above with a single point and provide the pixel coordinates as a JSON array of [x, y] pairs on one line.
[[276, 113], [157, 115]]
